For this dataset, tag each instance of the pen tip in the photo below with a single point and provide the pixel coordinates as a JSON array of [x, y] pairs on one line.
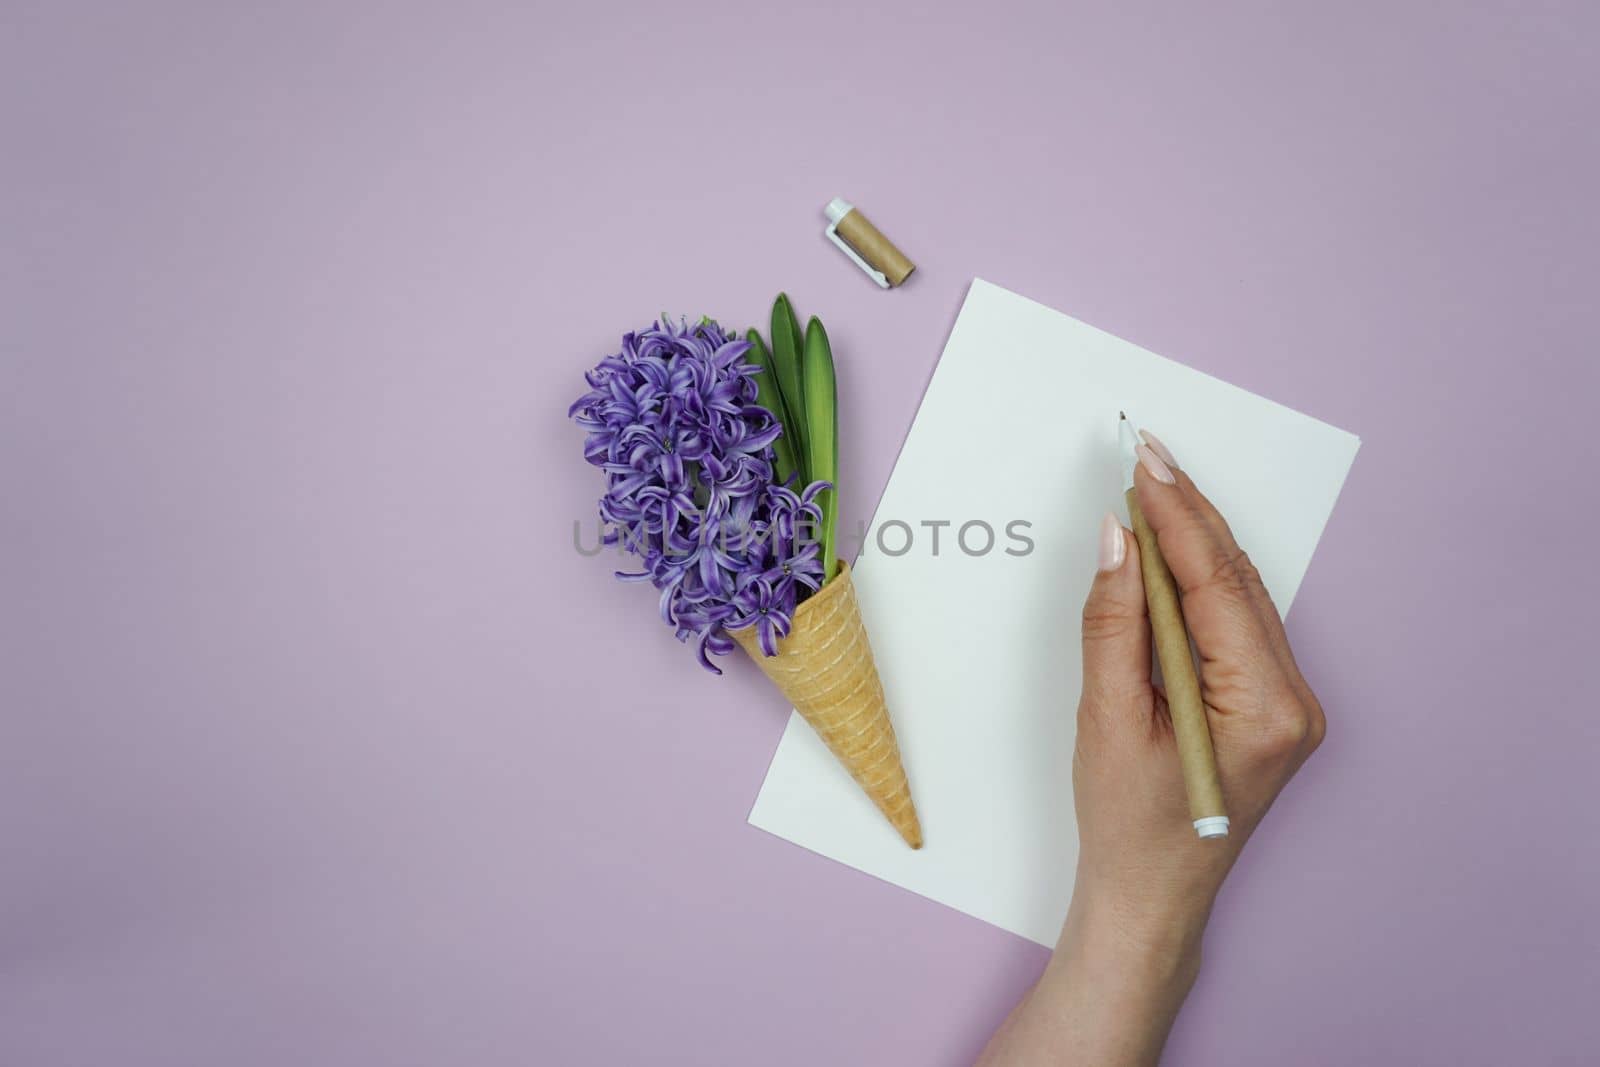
[[1123, 415]]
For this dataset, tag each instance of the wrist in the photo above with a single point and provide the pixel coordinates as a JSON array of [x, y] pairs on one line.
[[1146, 942], [1112, 990]]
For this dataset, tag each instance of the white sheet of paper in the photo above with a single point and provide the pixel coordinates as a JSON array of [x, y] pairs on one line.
[[979, 653]]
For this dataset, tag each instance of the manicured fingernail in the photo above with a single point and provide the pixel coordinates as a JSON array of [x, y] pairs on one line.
[[1158, 448], [1152, 463], [1113, 549]]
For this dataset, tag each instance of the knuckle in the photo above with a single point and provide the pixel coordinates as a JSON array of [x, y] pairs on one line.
[[1287, 731], [1232, 574], [1281, 736], [1101, 622], [1319, 733], [1249, 575], [1318, 728]]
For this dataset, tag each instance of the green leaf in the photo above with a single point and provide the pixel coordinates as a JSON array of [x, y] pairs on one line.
[[822, 434], [787, 347], [768, 396]]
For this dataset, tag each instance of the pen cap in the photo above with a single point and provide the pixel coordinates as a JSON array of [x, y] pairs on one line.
[[863, 242]]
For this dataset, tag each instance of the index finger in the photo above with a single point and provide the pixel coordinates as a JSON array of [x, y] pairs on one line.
[[1227, 608]]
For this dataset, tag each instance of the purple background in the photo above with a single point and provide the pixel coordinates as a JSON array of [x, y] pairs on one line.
[[315, 747]]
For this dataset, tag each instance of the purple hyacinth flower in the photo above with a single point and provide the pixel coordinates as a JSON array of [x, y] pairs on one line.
[[672, 421], [767, 607]]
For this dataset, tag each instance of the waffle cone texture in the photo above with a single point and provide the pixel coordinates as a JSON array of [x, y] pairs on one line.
[[826, 670]]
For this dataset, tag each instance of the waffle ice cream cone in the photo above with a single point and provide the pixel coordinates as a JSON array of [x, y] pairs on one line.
[[825, 668]]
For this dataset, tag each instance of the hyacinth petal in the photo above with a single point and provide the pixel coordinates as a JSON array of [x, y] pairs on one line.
[[710, 573], [761, 439], [731, 351], [700, 649], [766, 637]]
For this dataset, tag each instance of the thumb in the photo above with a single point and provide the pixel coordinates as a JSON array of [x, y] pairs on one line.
[[1116, 628]]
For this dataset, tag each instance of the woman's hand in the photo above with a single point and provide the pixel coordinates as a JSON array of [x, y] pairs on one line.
[[1130, 948]]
